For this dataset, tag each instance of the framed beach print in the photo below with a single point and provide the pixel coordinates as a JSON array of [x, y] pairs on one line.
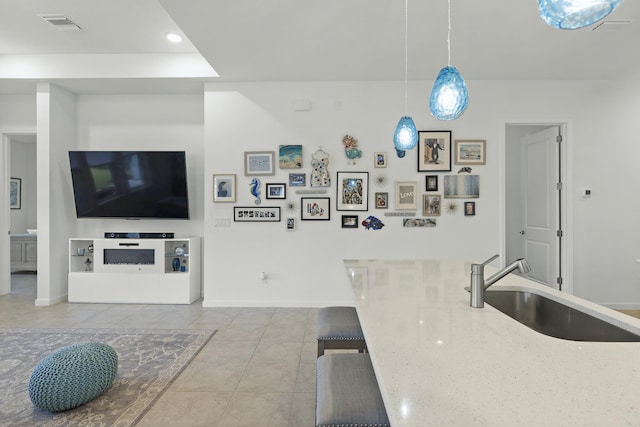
[[406, 194], [431, 204], [382, 200], [276, 191], [352, 191], [470, 152], [15, 193], [431, 183], [434, 151], [290, 156], [315, 209], [259, 163], [349, 221], [461, 186], [224, 188]]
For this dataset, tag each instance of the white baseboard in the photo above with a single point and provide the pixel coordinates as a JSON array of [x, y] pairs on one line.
[[43, 302], [289, 304]]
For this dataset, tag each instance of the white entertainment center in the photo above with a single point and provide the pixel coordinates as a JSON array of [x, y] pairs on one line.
[[130, 270]]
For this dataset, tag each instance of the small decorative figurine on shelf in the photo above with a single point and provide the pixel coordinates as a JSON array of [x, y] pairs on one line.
[[351, 149], [255, 190], [320, 174], [87, 264], [175, 264]]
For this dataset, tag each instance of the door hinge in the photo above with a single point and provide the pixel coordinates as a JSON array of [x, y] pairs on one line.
[[559, 138], [559, 233], [559, 280], [559, 186]]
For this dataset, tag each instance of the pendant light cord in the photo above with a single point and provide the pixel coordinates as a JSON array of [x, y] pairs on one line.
[[449, 33], [406, 52]]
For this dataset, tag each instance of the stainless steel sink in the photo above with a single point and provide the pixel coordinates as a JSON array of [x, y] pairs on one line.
[[554, 319]]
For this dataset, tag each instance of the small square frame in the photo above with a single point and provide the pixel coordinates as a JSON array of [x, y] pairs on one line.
[[259, 163], [471, 151], [469, 208], [276, 191], [224, 188], [430, 160], [431, 183], [297, 180], [349, 221], [406, 195], [315, 208], [291, 224], [352, 192], [15, 193], [380, 159], [382, 200], [431, 204]]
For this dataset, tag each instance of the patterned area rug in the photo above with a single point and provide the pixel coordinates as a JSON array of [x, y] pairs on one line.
[[148, 362]]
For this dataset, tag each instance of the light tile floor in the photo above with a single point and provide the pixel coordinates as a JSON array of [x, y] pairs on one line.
[[259, 368]]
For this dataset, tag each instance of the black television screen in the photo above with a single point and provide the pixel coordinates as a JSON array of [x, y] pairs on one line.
[[130, 184]]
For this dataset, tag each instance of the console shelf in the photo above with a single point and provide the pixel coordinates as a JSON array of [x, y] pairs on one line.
[[140, 271]]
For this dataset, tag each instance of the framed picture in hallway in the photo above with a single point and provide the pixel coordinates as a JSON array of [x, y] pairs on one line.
[[15, 193]]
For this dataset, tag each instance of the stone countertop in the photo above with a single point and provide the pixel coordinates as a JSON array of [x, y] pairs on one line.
[[440, 362]]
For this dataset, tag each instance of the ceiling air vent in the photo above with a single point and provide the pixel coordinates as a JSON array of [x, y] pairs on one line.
[[61, 22]]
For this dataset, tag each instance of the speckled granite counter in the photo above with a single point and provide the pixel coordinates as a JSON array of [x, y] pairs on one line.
[[440, 362]]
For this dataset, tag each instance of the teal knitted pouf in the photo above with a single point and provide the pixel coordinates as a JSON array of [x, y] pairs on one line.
[[72, 376]]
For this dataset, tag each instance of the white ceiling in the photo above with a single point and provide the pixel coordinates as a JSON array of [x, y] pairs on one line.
[[300, 40]]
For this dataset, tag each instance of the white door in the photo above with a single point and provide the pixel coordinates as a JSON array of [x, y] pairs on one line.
[[540, 205]]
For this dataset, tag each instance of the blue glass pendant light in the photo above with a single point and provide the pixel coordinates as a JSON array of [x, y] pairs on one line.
[[449, 96], [573, 14], [406, 135]]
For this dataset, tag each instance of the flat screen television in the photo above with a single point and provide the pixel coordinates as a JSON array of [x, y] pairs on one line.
[[130, 184]]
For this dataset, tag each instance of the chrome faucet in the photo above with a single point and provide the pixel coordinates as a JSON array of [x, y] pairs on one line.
[[479, 284]]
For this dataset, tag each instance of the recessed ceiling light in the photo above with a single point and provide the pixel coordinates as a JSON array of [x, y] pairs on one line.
[[173, 37]]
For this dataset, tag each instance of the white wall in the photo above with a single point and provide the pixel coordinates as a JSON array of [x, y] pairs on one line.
[[305, 266], [607, 240], [144, 122], [56, 124]]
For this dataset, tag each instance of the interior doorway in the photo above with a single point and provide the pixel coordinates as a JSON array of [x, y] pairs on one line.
[[20, 216], [535, 199]]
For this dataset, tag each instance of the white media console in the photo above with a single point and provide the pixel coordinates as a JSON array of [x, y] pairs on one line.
[[143, 271]]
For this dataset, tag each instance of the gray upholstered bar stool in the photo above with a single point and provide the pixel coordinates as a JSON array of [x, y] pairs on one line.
[[339, 329], [347, 392]]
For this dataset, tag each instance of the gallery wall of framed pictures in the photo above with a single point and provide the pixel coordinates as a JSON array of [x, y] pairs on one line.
[[445, 176]]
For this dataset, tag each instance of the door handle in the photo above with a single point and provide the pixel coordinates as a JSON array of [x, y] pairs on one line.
[[522, 232]]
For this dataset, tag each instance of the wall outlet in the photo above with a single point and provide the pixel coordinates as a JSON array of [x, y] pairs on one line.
[[223, 222]]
